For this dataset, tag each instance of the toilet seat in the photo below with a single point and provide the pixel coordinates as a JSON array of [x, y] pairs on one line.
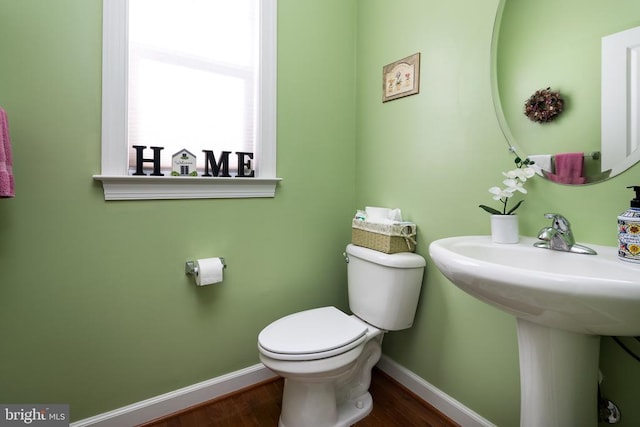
[[312, 334]]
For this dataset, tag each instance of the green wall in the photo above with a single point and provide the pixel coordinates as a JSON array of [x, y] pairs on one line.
[[95, 309], [435, 155]]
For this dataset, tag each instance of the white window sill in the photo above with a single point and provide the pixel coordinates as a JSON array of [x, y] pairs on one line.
[[125, 187]]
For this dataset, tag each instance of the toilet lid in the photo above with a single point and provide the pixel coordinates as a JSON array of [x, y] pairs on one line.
[[311, 331]]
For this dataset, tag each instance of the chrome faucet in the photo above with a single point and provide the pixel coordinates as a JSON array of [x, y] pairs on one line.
[[559, 236]]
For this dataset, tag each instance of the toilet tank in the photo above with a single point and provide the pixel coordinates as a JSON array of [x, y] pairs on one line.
[[384, 288]]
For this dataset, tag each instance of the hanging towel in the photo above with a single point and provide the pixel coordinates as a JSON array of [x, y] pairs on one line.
[[7, 186], [542, 162], [569, 168]]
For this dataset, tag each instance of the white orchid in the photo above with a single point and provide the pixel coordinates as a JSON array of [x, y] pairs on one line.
[[514, 183], [499, 193], [521, 174]]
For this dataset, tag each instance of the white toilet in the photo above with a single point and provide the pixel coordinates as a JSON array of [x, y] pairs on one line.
[[326, 356]]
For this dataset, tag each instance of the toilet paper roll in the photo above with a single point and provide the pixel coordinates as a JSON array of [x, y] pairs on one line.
[[209, 271]]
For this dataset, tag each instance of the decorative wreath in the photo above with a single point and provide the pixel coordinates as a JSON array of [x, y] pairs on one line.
[[543, 106]]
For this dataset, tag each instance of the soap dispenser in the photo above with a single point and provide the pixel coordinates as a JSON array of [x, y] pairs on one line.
[[629, 230]]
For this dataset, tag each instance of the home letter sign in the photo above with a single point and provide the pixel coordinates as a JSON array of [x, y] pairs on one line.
[[183, 163]]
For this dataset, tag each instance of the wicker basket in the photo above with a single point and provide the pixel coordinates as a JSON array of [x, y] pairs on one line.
[[385, 238]]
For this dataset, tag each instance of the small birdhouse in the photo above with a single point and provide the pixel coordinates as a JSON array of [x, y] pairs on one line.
[[183, 163]]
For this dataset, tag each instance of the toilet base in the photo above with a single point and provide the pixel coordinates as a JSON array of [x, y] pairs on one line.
[[348, 413], [328, 392]]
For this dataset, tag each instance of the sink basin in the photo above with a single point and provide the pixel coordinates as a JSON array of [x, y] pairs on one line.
[[562, 302], [589, 294]]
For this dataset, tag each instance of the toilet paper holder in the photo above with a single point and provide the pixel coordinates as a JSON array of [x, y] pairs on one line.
[[191, 268]]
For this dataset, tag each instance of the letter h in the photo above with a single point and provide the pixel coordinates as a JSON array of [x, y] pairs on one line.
[[155, 160]]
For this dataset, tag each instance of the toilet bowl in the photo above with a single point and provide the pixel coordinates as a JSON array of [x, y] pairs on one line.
[[326, 356]]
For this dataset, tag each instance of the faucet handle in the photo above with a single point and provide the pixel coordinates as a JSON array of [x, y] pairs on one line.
[[553, 216], [559, 222]]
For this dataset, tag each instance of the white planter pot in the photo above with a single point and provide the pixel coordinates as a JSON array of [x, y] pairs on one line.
[[504, 229]]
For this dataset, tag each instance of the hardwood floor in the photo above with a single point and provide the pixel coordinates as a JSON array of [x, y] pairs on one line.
[[259, 406]]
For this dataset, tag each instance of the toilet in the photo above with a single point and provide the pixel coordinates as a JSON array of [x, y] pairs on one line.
[[326, 356]]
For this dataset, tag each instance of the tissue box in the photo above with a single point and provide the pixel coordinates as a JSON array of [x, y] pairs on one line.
[[387, 238]]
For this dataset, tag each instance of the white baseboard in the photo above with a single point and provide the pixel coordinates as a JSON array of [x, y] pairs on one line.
[[179, 400], [175, 401], [431, 394]]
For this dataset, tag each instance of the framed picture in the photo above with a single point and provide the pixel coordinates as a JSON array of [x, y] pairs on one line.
[[401, 78]]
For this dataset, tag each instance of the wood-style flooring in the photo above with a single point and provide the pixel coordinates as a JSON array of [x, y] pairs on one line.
[[259, 406]]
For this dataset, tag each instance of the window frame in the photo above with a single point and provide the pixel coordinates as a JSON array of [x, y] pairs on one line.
[[116, 181]]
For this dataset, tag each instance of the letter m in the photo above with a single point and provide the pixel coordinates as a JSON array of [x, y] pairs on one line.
[[221, 166]]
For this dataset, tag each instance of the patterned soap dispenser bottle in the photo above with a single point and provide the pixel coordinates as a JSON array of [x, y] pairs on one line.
[[629, 230]]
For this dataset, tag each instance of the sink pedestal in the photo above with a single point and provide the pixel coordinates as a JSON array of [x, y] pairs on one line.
[[558, 376]]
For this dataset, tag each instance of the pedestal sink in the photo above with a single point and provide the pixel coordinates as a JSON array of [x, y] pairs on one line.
[[563, 303]]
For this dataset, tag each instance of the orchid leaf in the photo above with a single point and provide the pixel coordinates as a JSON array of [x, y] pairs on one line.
[[490, 210], [512, 210]]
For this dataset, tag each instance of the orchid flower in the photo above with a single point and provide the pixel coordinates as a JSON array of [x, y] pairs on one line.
[[521, 174], [514, 183], [499, 193]]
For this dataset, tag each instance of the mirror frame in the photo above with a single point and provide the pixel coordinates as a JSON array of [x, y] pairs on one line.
[[495, 92]]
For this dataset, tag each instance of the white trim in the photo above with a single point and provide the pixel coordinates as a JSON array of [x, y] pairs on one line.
[[431, 394], [118, 187], [619, 112], [115, 39], [179, 400], [267, 96]]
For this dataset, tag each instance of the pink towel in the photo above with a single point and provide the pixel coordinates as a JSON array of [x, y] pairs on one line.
[[7, 186], [569, 168]]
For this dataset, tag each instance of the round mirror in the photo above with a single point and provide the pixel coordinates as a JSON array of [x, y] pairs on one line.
[[587, 54]]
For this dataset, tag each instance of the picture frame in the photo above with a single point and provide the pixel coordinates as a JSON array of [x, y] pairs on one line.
[[401, 78]]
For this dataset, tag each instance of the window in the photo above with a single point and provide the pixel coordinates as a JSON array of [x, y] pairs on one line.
[[196, 75]]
